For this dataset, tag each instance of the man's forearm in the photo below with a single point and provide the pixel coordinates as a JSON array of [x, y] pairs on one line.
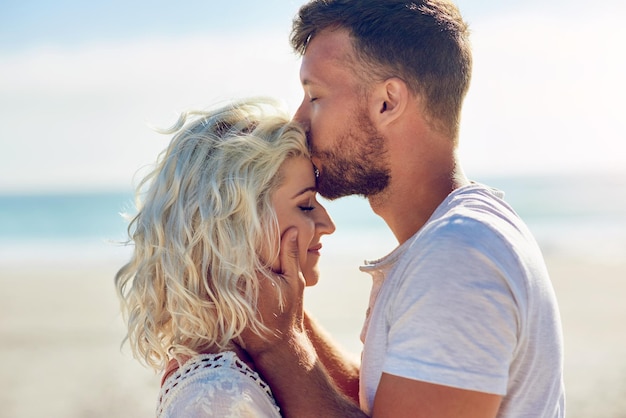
[[300, 382], [343, 369]]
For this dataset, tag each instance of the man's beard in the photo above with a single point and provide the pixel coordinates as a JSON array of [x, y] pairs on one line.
[[357, 165]]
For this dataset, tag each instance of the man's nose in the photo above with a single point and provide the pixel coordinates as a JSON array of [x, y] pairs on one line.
[[301, 115]]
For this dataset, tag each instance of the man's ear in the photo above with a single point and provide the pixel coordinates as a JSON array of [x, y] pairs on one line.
[[392, 99]]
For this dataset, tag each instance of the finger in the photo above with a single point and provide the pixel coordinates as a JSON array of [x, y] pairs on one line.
[[289, 260], [293, 279]]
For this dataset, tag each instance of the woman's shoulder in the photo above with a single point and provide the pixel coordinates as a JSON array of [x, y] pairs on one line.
[[216, 385]]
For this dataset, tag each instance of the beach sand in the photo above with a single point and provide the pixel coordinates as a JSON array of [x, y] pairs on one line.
[[60, 334]]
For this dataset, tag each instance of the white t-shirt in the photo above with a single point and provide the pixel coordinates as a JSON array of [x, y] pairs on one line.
[[216, 385], [467, 302]]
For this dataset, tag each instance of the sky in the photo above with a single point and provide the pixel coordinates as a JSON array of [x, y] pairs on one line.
[[81, 83]]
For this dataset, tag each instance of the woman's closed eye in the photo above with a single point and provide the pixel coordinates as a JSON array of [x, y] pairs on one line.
[[307, 205]]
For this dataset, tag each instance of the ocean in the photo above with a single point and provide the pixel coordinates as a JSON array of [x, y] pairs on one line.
[[571, 215]]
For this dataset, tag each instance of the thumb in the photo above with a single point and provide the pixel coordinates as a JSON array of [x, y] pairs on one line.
[[289, 259]]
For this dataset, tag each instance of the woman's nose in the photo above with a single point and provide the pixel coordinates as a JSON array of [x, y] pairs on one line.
[[324, 223]]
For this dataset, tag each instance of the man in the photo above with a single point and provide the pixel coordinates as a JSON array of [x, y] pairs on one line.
[[463, 321]]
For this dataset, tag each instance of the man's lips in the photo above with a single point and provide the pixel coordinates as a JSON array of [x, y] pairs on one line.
[[315, 248]]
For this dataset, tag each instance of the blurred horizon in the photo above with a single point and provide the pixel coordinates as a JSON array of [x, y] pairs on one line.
[[80, 83]]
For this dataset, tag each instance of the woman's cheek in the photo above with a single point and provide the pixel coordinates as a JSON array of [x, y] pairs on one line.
[[306, 236], [303, 249]]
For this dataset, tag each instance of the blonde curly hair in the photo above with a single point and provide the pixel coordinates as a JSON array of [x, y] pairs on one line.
[[203, 214]]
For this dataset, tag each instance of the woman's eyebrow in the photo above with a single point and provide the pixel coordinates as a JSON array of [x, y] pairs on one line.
[[306, 190]]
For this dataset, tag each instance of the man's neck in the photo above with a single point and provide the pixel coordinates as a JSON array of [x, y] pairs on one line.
[[408, 202]]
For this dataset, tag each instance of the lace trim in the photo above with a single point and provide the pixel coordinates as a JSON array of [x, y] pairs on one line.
[[211, 361]]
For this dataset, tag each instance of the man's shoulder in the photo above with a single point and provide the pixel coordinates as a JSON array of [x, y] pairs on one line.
[[474, 212]]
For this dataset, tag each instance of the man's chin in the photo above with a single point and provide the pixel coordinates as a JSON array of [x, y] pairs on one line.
[[332, 190], [329, 193]]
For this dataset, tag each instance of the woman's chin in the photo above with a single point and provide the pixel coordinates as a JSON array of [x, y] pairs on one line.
[[311, 278]]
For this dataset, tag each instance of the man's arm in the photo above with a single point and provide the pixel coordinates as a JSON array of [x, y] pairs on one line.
[[399, 397], [343, 369], [287, 359], [304, 388], [300, 383]]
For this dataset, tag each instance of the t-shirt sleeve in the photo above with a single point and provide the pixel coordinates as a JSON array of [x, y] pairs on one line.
[[454, 319]]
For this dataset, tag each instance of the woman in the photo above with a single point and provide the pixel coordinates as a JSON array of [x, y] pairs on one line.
[[208, 229]]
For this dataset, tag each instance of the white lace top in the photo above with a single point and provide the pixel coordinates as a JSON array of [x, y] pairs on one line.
[[216, 385]]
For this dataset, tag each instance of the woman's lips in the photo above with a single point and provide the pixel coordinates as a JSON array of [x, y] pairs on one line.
[[316, 248]]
